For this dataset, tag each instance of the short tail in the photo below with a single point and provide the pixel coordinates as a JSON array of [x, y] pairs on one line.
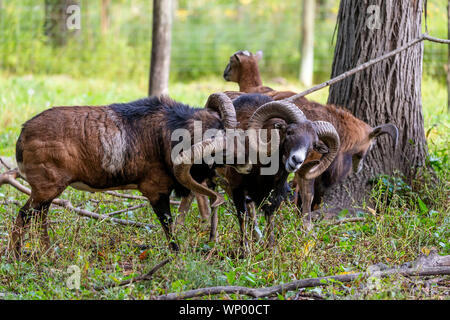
[[19, 149]]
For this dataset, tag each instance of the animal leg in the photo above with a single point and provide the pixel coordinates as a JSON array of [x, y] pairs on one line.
[[271, 206], [251, 207], [37, 205], [241, 212], [184, 207], [161, 206], [214, 224], [18, 230], [45, 239], [269, 232], [307, 194], [203, 206]]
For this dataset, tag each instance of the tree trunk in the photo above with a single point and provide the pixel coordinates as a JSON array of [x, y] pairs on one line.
[[161, 46], [307, 43], [389, 91], [448, 64], [105, 16], [56, 21]]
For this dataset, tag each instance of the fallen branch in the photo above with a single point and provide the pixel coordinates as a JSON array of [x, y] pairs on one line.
[[131, 196], [366, 65], [304, 283], [332, 213], [126, 209], [112, 193], [349, 220], [124, 195], [144, 277], [10, 178], [3, 163], [9, 202]]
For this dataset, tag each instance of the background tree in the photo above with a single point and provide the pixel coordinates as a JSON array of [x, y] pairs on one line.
[[307, 42], [386, 92], [105, 15], [161, 47], [448, 65], [56, 16]]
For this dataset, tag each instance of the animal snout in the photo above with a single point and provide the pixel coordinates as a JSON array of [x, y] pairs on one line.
[[226, 73], [295, 160]]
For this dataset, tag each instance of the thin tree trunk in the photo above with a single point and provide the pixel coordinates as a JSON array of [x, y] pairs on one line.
[[1, 13], [389, 91], [307, 43], [448, 64], [105, 16], [56, 16], [161, 47]]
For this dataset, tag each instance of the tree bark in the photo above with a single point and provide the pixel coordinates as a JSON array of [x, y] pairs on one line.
[[105, 16], [161, 47], [307, 43], [389, 91], [56, 16]]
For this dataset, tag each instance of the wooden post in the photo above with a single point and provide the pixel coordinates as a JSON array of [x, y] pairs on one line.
[[161, 47]]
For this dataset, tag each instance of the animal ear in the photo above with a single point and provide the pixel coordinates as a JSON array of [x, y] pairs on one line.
[[259, 55], [320, 147], [389, 129]]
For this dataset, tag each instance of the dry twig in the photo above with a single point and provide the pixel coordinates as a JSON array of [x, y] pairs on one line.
[[144, 277], [131, 196], [349, 220], [430, 265], [10, 178], [304, 283], [126, 209]]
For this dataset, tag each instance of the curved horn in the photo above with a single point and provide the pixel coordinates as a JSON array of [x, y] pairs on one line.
[[183, 162], [287, 111], [276, 109], [222, 104], [328, 134], [390, 129]]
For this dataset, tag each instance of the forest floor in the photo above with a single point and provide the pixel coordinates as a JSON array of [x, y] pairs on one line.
[[406, 220]]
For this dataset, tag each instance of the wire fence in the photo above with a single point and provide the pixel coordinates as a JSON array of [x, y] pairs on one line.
[[205, 34]]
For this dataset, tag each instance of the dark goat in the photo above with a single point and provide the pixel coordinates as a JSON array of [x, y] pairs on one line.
[[120, 146], [298, 137], [356, 136]]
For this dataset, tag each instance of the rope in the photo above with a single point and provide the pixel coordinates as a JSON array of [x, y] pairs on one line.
[[366, 65]]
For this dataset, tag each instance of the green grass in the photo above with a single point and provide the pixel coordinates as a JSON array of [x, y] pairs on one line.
[[415, 220], [202, 38]]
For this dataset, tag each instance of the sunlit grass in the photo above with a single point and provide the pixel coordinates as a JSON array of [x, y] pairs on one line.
[[22, 97], [411, 222]]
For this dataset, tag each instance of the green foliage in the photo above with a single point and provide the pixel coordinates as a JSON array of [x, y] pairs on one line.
[[410, 217], [205, 34]]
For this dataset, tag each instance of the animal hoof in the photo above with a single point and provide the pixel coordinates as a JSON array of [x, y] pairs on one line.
[[174, 247]]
